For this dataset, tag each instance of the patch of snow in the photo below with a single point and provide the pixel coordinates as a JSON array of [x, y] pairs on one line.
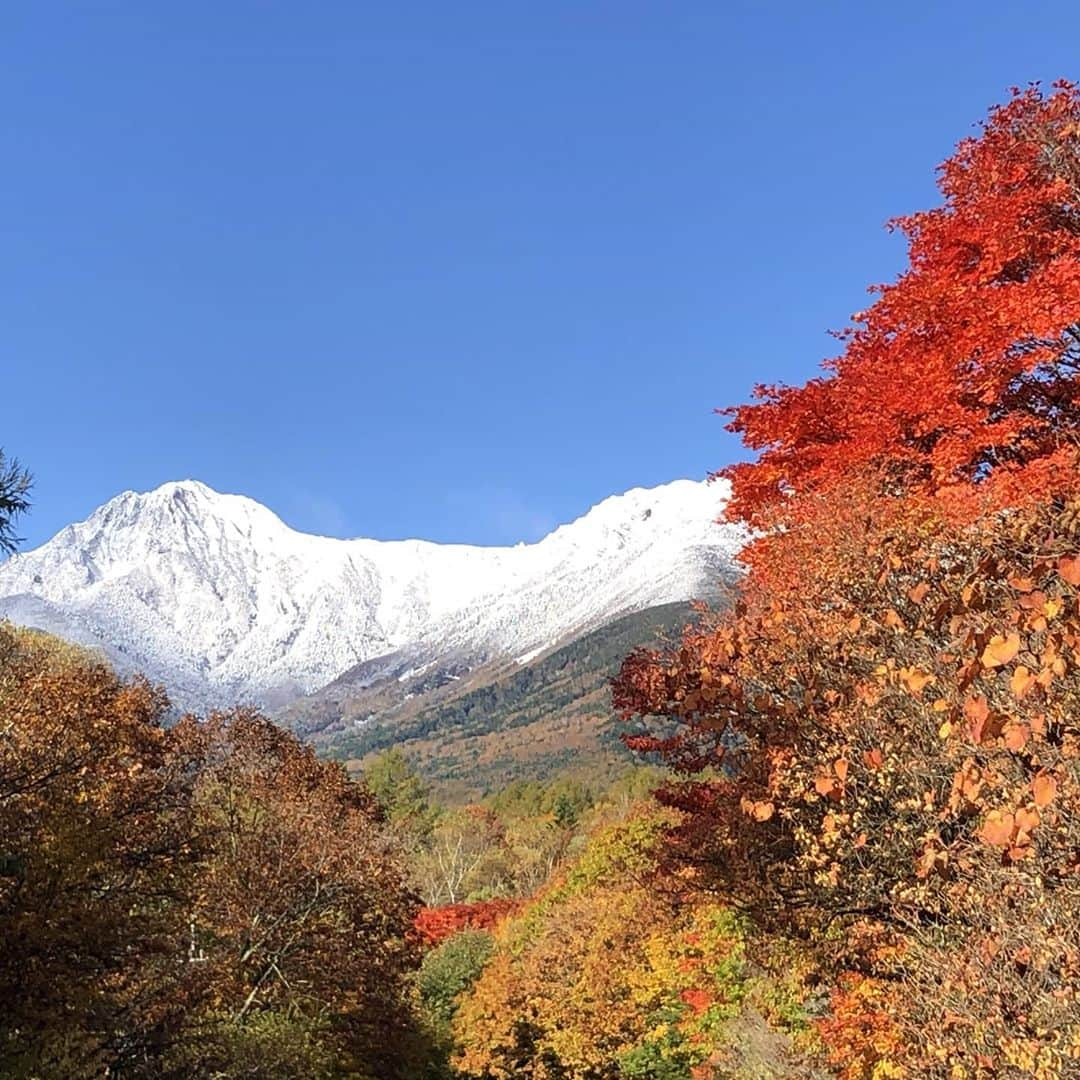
[[532, 654]]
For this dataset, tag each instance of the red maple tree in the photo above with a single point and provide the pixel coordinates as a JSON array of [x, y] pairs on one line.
[[960, 380]]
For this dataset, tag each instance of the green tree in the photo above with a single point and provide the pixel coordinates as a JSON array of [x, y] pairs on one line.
[[402, 795], [15, 484], [451, 969], [565, 811]]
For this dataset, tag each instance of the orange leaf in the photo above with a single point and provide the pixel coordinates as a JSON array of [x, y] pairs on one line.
[[1021, 681], [698, 1000], [827, 786], [1044, 788], [914, 679], [841, 767], [1069, 569], [1016, 737], [918, 594], [976, 710], [926, 863], [759, 811], [1001, 650], [1027, 821], [998, 829]]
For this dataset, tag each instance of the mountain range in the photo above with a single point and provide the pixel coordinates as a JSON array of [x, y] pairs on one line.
[[215, 597]]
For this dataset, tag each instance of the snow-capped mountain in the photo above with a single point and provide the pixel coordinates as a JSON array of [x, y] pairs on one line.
[[214, 596]]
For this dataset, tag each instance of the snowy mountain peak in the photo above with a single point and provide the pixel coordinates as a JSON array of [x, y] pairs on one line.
[[215, 596], [179, 501]]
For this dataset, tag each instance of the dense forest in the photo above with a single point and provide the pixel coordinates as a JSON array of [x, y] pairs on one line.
[[852, 849]]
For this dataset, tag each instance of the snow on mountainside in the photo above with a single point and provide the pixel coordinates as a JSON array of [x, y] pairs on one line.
[[217, 598]]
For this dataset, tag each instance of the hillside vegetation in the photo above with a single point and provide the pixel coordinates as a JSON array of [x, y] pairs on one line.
[[204, 900], [546, 718]]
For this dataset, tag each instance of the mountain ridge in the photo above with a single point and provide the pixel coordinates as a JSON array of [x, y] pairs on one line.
[[215, 596]]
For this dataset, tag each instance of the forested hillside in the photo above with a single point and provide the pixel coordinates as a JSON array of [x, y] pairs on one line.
[[548, 717]]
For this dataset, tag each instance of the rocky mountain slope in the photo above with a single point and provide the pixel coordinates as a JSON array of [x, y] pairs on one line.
[[214, 596]]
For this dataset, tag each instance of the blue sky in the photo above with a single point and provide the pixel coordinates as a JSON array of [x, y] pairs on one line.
[[455, 271]]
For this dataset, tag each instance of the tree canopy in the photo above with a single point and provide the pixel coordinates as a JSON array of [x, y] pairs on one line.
[[879, 744], [960, 380]]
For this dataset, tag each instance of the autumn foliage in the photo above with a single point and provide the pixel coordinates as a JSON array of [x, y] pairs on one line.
[[609, 973], [206, 899], [94, 839], [880, 741], [961, 377], [436, 924], [867, 865]]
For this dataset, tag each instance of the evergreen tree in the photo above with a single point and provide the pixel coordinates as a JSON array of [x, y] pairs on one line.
[[401, 793], [15, 483]]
